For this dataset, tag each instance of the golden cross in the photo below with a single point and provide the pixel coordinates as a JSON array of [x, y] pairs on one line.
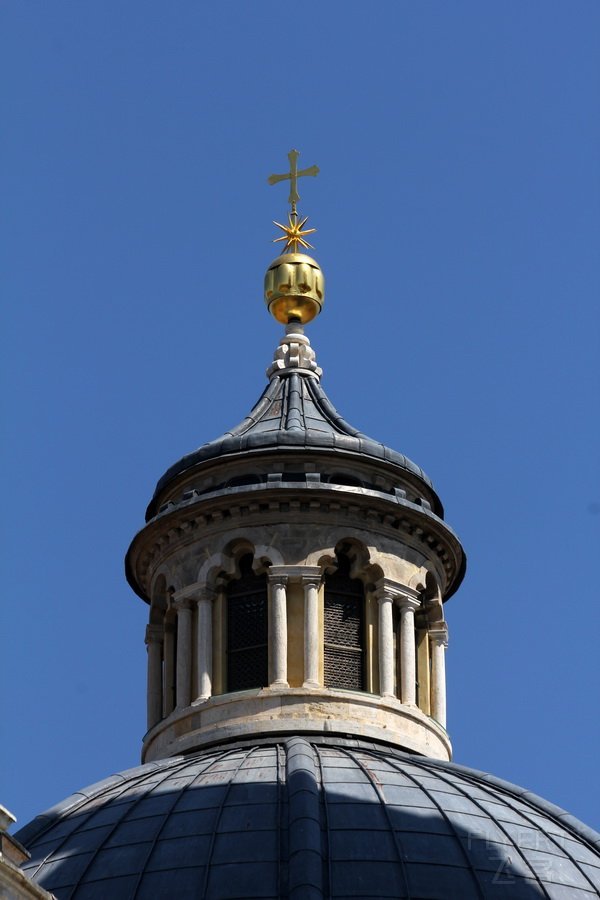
[[293, 176]]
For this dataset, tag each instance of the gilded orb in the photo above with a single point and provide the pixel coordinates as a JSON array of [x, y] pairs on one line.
[[294, 288]]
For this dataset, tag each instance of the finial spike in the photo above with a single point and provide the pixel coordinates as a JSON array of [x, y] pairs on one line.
[[294, 284]]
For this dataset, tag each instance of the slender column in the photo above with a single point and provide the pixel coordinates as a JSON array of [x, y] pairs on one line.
[[311, 631], [386, 644], [204, 646], [169, 669], [439, 642], [154, 693], [278, 630], [184, 653], [408, 656]]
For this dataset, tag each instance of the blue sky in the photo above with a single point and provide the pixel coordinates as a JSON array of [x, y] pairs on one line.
[[457, 209]]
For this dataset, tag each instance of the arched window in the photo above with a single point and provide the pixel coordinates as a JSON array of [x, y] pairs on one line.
[[247, 656], [344, 629]]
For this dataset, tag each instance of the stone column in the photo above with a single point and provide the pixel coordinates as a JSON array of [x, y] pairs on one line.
[[184, 653], [438, 637], [154, 690], [169, 668], [204, 645], [311, 631], [408, 603], [386, 643], [278, 630]]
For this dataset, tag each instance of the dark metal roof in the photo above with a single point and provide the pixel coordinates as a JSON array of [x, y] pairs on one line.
[[292, 412], [307, 820]]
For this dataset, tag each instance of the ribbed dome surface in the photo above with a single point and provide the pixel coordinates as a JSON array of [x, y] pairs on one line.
[[293, 412], [310, 819]]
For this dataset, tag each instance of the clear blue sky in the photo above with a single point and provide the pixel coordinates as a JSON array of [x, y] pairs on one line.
[[458, 216]]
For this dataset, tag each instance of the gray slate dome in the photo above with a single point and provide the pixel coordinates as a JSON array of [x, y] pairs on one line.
[[308, 820], [293, 412]]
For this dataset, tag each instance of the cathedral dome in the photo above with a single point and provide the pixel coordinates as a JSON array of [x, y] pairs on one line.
[[310, 818]]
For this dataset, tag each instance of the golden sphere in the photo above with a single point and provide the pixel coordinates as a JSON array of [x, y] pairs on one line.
[[294, 288]]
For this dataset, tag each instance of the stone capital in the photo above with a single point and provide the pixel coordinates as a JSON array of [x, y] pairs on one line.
[[402, 594], [276, 580], [207, 595], [183, 602], [154, 634], [439, 634], [304, 574], [191, 594]]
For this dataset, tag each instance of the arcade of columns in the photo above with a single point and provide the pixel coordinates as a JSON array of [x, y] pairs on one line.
[[199, 599]]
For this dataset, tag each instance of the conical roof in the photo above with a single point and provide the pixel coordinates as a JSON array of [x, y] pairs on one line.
[[293, 412]]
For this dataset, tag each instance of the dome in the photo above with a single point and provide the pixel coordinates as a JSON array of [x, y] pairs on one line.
[[309, 818], [294, 413]]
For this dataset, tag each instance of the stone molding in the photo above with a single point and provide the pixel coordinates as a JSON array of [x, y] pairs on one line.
[[294, 354], [435, 541], [296, 711]]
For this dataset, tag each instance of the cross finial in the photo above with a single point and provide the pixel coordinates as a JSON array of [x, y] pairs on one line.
[[294, 233], [293, 176]]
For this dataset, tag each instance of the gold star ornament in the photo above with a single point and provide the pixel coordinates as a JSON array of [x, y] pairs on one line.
[[294, 234]]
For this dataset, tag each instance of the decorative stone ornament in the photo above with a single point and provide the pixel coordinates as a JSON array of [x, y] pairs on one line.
[[294, 353]]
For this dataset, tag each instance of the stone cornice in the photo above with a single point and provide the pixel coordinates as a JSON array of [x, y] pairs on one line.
[[184, 486], [370, 510]]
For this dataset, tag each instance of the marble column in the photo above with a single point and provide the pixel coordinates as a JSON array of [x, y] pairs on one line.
[[386, 643], [408, 651], [204, 645], [278, 630], [154, 690], [311, 631], [438, 637], [169, 668], [184, 653]]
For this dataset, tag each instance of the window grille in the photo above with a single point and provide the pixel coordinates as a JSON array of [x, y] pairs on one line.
[[344, 629], [247, 656]]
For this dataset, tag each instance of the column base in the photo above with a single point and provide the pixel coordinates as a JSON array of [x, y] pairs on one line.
[[279, 684]]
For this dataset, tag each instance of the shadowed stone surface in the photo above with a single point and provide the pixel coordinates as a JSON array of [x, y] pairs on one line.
[[310, 819]]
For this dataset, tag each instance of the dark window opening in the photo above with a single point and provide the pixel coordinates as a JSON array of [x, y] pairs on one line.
[[242, 481], [344, 629], [346, 480], [247, 657]]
